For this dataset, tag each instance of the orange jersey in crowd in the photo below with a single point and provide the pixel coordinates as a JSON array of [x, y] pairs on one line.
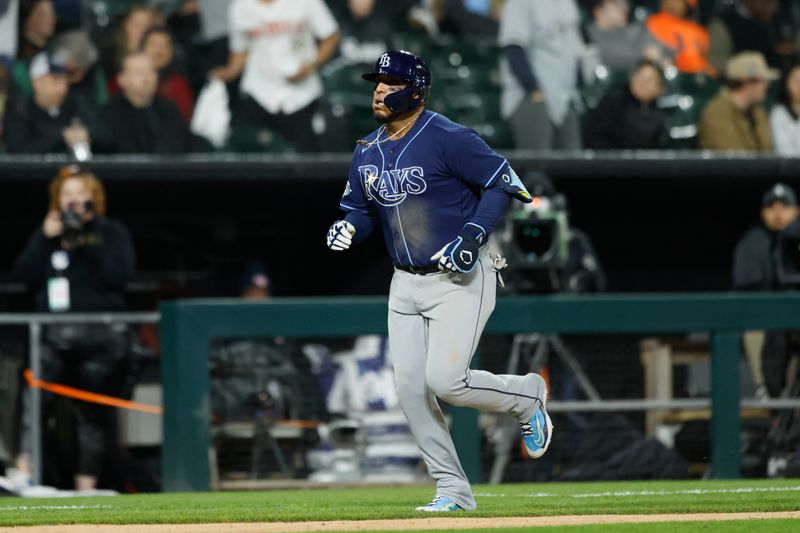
[[687, 38]]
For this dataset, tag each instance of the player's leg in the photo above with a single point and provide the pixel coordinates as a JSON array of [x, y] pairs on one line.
[[458, 313], [408, 347]]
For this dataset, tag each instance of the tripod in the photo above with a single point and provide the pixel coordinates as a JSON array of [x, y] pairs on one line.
[[534, 349]]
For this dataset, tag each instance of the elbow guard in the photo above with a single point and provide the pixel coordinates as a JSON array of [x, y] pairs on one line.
[[513, 186]]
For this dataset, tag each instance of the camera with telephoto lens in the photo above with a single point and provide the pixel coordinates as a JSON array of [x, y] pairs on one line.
[[73, 234], [535, 240]]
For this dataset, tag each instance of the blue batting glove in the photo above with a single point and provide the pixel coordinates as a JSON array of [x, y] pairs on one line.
[[461, 254]]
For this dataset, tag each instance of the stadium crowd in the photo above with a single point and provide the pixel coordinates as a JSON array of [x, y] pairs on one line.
[[539, 74]]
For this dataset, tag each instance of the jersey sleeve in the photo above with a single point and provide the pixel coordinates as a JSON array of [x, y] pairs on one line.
[[514, 24], [355, 204], [470, 158], [321, 20], [238, 39]]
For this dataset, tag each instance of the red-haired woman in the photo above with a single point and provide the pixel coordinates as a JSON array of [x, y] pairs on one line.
[[79, 261]]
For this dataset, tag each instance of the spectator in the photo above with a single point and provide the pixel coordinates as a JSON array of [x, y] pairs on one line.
[[86, 78], [364, 33], [127, 39], [9, 20], [279, 45], [784, 119], [755, 269], [172, 83], [631, 118], [735, 119], [745, 25], [542, 46], [466, 18], [79, 261], [687, 39], [37, 25], [51, 120], [151, 124], [621, 42]]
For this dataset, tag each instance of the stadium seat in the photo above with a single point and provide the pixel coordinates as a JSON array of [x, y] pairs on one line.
[[249, 139]]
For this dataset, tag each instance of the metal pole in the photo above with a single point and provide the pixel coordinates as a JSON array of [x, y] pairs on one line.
[[725, 416], [35, 336]]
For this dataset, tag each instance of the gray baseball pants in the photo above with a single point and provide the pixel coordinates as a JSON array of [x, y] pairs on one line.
[[435, 322]]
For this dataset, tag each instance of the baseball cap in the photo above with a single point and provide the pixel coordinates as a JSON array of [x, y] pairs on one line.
[[780, 192], [749, 66], [45, 63]]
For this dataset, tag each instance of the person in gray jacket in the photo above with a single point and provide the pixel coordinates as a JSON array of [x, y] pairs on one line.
[[542, 47]]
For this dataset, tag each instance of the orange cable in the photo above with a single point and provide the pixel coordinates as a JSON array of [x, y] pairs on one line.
[[92, 397]]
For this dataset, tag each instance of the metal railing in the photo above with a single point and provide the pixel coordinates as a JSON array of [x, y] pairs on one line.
[[34, 322], [188, 327]]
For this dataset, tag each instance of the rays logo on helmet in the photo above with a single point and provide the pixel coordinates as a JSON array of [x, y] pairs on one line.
[[391, 187], [384, 60]]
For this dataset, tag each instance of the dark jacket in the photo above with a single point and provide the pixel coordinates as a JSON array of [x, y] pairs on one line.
[[158, 129], [622, 122], [750, 34], [29, 129], [754, 267], [97, 271]]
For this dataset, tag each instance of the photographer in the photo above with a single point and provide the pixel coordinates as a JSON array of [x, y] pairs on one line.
[[78, 261], [755, 269]]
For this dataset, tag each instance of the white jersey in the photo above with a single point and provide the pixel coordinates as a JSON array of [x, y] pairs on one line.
[[280, 36]]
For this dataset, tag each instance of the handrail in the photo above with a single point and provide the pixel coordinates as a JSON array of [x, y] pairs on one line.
[[35, 321], [188, 326]]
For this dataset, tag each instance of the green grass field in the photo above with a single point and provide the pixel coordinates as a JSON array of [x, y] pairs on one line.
[[548, 499]]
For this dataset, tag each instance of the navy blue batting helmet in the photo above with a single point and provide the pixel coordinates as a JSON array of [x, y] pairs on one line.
[[400, 65]]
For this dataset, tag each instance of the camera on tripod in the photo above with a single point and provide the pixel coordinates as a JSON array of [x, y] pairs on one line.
[[545, 253], [535, 240]]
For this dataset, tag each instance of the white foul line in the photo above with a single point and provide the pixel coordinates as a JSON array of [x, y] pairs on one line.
[[629, 493]]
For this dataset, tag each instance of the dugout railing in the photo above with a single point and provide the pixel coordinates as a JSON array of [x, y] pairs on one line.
[[188, 327], [34, 322]]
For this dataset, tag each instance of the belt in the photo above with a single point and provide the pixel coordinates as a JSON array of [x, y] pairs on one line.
[[421, 270]]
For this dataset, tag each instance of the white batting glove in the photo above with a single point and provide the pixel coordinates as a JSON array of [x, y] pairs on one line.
[[340, 236]]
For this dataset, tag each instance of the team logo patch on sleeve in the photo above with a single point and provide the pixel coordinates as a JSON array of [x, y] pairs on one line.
[[347, 189]]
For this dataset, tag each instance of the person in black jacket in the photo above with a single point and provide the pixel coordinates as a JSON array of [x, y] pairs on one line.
[[51, 120], [630, 118], [755, 269], [79, 261], [140, 121]]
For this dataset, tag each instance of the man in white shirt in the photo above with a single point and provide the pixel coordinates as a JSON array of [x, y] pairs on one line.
[[278, 46]]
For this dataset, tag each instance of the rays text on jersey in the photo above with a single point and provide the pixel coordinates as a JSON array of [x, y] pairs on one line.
[[390, 187]]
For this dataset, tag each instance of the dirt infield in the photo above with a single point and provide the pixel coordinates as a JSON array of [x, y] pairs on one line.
[[402, 525]]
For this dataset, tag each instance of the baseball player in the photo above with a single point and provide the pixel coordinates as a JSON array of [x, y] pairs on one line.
[[437, 191]]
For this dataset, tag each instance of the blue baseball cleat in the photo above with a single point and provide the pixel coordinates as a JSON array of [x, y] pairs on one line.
[[440, 504], [538, 430]]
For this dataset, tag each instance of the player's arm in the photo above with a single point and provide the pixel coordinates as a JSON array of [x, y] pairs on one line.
[[231, 71], [471, 159], [239, 44], [359, 220]]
